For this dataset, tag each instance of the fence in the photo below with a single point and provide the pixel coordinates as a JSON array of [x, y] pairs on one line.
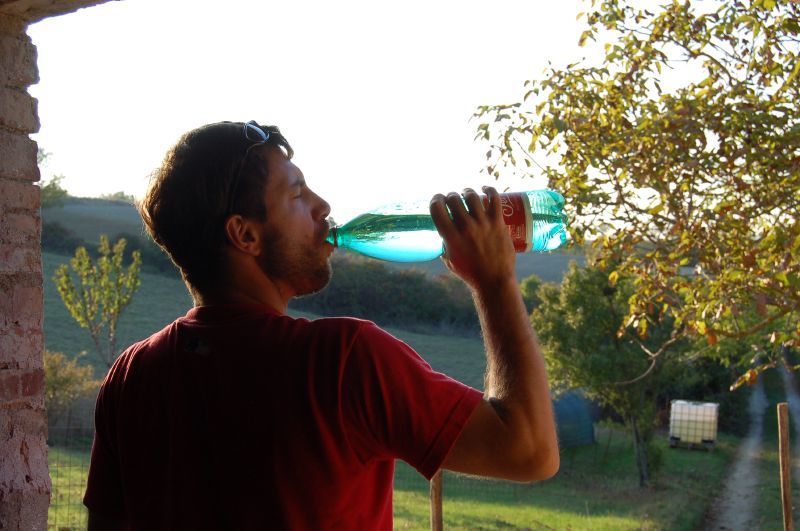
[[70, 440], [69, 443]]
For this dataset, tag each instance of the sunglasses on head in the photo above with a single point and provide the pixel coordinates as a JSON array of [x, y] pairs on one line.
[[258, 137]]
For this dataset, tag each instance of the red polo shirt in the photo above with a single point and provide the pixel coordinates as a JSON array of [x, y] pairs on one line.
[[234, 417]]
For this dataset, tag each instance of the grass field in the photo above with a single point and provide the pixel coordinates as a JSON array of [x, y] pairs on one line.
[[596, 489], [68, 469]]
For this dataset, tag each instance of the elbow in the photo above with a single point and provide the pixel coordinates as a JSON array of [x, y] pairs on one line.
[[543, 463], [546, 466]]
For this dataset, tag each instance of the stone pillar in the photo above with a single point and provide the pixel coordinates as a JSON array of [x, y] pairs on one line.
[[24, 479]]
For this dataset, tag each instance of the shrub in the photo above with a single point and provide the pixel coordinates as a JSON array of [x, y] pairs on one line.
[[369, 289], [65, 382], [60, 240], [154, 259]]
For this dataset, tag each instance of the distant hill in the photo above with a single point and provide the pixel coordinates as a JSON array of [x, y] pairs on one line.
[[90, 217], [550, 267], [160, 300]]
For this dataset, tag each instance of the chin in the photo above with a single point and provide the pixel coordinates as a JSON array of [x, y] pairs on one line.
[[316, 281]]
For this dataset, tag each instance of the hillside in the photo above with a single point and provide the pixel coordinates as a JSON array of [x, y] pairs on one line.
[[160, 300], [87, 218]]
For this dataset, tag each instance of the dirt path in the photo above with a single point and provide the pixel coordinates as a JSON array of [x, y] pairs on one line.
[[734, 507]]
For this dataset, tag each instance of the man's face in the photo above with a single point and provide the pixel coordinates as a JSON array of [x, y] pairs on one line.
[[295, 254]]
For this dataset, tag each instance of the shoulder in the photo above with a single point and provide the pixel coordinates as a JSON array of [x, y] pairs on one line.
[[144, 352], [362, 333], [347, 329]]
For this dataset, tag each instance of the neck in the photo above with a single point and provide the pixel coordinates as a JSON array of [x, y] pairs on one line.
[[247, 285]]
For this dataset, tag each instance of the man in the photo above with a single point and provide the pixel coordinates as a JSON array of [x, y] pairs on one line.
[[237, 416]]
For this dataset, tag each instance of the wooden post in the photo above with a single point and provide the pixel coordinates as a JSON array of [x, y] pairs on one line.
[[437, 522], [785, 465]]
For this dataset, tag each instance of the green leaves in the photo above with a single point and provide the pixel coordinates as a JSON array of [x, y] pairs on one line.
[[692, 191], [104, 288]]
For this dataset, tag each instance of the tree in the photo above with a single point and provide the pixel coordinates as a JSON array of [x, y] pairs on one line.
[[104, 289], [530, 286], [578, 324], [65, 382], [52, 193], [119, 196], [679, 155]]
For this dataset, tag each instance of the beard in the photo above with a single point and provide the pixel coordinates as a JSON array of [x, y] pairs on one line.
[[304, 267]]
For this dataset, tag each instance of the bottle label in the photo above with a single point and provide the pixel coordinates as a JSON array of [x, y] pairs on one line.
[[518, 218]]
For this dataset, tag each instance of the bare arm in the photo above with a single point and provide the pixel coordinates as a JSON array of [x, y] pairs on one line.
[[512, 433]]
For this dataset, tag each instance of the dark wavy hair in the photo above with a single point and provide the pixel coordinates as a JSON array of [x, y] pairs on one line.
[[187, 202]]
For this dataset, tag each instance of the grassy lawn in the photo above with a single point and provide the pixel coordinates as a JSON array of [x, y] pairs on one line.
[[596, 489], [68, 468], [768, 510]]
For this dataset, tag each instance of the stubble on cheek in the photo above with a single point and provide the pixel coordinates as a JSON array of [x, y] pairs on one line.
[[306, 268]]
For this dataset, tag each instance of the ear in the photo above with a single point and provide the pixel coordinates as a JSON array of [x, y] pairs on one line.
[[243, 234]]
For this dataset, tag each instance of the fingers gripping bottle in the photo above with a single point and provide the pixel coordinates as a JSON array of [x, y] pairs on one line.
[[404, 232]]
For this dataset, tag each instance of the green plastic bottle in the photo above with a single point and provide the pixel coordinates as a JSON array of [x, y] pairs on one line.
[[404, 232]]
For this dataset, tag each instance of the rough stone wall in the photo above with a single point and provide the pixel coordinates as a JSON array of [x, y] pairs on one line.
[[24, 480], [33, 10]]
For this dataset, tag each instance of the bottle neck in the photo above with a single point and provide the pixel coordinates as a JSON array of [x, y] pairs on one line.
[[333, 236]]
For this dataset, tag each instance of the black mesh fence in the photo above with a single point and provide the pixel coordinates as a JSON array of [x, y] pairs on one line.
[[70, 439], [69, 443]]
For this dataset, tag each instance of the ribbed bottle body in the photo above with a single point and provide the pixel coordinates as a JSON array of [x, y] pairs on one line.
[[549, 223], [404, 232]]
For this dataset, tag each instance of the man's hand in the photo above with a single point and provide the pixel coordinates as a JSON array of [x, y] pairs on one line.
[[477, 245]]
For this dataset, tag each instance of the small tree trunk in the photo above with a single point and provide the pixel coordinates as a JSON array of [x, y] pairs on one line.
[[66, 439], [641, 454], [112, 344]]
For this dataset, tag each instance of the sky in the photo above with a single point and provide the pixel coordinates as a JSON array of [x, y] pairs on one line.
[[376, 98]]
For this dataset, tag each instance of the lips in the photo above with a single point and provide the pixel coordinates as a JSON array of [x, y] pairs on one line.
[[325, 230]]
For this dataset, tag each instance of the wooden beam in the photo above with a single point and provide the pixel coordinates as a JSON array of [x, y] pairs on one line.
[[785, 465], [437, 522]]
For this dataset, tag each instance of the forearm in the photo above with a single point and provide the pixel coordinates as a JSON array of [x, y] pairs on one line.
[[511, 434], [516, 377]]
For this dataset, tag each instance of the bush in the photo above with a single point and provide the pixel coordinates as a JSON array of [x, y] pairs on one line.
[[65, 382], [369, 289], [60, 240], [154, 259]]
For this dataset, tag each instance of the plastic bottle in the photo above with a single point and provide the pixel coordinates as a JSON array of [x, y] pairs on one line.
[[404, 232]]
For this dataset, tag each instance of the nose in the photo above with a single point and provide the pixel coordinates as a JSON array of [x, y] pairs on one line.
[[323, 209]]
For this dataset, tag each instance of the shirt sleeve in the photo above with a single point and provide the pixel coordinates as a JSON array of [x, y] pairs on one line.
[[397, 406], [104, 484]]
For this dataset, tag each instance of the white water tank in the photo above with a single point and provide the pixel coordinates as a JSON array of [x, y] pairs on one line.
[[693, 422]]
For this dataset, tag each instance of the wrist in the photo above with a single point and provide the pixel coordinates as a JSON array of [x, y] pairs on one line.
[[500, 288]]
